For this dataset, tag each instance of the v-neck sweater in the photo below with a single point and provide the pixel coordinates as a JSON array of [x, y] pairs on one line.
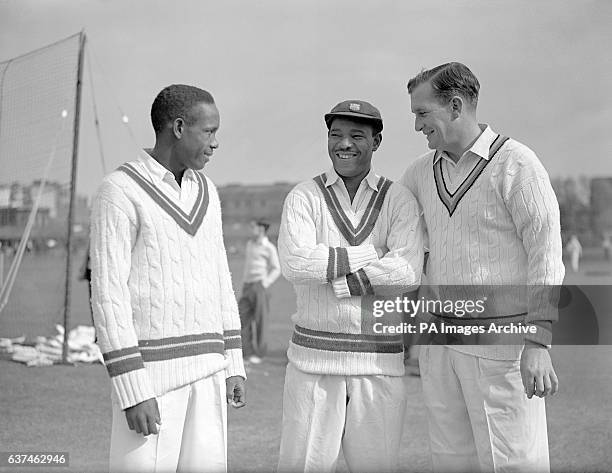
[[162, 297], [327, 247], [498, 232]]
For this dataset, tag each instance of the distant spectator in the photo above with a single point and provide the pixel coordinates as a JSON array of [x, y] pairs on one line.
[[607, 247], [574, 248], [261, 269]]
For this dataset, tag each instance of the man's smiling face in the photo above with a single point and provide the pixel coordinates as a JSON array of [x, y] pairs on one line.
[[432, 117], [350, 145]]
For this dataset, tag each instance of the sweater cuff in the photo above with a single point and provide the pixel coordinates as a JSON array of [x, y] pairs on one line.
[[542, 335], [236, 364], [359, 283], [360, 256], [132, 388], [341, 288]]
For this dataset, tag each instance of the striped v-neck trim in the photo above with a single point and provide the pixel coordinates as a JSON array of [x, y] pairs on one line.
[[190, 223], [355, 236], [451, 199]]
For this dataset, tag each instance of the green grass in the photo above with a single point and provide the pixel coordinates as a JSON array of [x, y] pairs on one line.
[[62, 408]]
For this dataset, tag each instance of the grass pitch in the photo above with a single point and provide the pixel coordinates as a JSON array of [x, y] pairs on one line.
[[67, 409]]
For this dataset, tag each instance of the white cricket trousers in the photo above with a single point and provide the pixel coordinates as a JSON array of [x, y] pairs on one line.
[[480, 419], [192, 436], [321, 413]]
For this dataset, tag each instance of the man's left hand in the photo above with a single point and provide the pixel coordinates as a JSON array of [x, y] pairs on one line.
[[537, 371], [236, 391]]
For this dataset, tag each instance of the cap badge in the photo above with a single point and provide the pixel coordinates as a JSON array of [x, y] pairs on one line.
[[355, 107]]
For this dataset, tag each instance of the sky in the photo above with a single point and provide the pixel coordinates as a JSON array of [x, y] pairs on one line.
[[276, 67]]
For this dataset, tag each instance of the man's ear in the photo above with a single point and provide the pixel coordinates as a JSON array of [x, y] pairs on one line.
[[456, 104], [178, 127], [377, 141]]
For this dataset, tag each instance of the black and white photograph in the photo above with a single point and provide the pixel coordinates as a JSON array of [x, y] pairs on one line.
[[311, 236]]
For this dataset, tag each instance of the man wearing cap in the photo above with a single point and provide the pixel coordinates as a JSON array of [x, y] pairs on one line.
[[345, 234]]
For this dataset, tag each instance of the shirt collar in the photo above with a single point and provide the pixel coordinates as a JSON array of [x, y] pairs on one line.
[[331, 177], [157, 172], [480, 147]]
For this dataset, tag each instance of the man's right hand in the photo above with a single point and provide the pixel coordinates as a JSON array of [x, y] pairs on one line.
[[381, 252], [144, 417]]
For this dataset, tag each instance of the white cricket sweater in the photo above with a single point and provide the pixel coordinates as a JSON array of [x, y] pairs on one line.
[[162, 297], [327, 249], [498, 227]]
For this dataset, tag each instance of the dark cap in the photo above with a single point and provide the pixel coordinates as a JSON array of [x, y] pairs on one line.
[[260, 222], [355, 109]]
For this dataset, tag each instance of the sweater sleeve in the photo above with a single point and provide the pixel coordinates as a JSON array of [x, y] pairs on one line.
[[113, 233], [303, 260], [229, 307], [535, 212], [410, 180], [399, 270]]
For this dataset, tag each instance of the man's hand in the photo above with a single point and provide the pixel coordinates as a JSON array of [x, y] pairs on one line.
[[144, 417], [236, 391], [537, 371], [382, 251]]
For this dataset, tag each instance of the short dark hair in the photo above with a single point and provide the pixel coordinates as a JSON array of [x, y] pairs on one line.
[[262, 223], [448, 80], [176, 101], [376, 125]]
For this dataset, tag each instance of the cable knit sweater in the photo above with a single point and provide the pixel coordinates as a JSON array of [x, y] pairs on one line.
[[494, 224], [163, 304], [327, 248]]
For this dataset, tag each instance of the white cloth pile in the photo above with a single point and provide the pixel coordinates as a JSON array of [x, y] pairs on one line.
[[48, 350]]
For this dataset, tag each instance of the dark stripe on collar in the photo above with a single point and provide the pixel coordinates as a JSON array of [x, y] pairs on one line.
[[451, 200], [190, 223], [355, 236]]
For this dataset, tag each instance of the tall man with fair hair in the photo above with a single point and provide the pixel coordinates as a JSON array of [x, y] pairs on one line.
[[492, 222], [165, 313], [346, 234]]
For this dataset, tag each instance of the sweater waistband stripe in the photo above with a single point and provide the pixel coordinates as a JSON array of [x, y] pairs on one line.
[[353, 337], [123, 366], [168, 341], [181, 351], [111, 355], [231, 333], [233, 343], [354, 346]]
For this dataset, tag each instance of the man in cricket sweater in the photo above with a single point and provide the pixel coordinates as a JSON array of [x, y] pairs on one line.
[[492, 226], [165, 313], [345, 234]]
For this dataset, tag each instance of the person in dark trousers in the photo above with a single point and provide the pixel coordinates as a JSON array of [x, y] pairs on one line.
[[261, 269]]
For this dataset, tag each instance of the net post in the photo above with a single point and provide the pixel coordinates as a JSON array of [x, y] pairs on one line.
[[1, 268], [75, 152]]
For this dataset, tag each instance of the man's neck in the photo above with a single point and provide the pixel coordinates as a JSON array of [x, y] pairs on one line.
[[353, 183], [163, 155], [465, 141]]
